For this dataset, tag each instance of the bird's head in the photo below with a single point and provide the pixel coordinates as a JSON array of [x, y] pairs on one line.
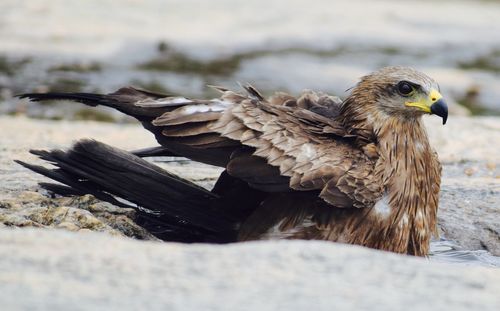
[[400, 92]]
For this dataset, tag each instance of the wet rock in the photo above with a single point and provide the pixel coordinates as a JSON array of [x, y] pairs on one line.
[[470, 217], [33, 209]]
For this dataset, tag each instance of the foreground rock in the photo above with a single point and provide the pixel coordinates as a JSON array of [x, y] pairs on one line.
[[469, 211], [52, 270]]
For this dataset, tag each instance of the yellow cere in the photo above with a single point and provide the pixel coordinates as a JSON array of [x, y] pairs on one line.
[[424, 103]]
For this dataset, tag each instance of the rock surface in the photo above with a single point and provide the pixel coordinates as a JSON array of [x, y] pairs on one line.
[[85, 213], [469, 211], [55, 269]]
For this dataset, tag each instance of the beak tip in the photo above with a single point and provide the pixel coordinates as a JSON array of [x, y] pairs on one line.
[[440, 108]]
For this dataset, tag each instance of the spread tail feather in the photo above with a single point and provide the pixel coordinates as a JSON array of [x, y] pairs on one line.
[[168, 206], [84, 98]]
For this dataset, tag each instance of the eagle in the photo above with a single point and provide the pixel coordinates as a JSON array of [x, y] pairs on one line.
[[358, 171]]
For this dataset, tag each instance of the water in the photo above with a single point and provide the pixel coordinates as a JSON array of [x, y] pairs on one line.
[[447, 251]]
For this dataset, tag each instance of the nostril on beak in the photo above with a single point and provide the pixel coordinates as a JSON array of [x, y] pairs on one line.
[[433, 99]]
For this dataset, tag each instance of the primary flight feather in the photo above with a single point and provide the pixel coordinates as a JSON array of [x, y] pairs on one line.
[[358, 171]]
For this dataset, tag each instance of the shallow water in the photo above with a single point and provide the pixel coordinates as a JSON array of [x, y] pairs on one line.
[[447, 251]]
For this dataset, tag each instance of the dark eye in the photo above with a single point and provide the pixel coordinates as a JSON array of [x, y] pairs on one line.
[[404, 88]]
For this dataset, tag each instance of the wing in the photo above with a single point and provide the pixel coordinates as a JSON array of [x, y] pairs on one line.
[[280, 144], [275, 145]]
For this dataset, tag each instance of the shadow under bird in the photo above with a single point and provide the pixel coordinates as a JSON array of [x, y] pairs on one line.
[[358, 171]]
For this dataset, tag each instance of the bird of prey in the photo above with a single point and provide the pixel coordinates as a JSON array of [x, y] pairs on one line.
[[359, 171]]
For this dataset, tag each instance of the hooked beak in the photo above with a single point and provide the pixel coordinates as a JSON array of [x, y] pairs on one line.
[[433, 104], [440, 108]]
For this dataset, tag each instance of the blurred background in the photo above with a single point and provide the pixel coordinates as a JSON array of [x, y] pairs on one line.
[[180, 46]]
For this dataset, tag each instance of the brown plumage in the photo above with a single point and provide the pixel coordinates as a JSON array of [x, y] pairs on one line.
[[359, 171]]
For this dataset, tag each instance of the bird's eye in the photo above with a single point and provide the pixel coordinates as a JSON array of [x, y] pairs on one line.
[[405, 88]]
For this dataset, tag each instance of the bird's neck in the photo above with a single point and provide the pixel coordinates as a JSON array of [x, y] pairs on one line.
[[408, 170], [405, 217]]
